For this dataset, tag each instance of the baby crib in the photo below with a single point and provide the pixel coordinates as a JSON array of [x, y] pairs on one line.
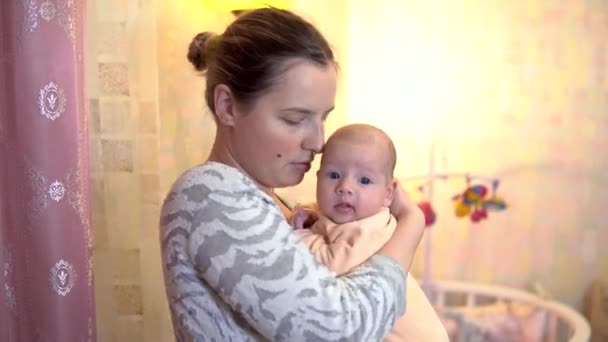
[[477, 312]]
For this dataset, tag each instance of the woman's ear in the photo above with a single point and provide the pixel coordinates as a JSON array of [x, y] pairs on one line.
[[390, 192], [224, 104]]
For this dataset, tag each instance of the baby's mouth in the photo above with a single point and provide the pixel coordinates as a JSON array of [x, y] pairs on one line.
[[343, 207]]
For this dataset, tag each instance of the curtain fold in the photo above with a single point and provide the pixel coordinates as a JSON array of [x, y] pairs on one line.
[[46, 287]]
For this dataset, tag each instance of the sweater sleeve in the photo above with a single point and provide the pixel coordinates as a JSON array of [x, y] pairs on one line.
[[242, 247]]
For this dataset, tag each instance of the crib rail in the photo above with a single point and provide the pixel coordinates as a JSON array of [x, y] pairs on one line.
[[579, 327]]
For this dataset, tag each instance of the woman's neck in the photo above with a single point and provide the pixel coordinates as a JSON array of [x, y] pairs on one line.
[[284, 208], [221, 153]]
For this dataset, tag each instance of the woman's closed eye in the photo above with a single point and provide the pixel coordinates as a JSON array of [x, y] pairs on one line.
[[293, 121], [295, 116]]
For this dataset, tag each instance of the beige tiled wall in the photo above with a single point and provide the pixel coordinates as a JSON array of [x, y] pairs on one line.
[[125, 171]]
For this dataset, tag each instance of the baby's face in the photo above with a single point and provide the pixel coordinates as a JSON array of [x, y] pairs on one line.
[[353, 182]]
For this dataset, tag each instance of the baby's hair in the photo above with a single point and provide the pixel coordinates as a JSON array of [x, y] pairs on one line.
[[252, 52], [367, 134]]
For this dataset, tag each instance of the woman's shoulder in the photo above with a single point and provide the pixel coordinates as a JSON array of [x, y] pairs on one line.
[[215, 177], [215, 180]]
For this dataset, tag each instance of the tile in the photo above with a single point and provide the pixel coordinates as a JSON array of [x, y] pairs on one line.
[[104, 308], [130, 329], [122, 204], [112, 38], [150, 188], [95, 158], [126, 265], [147, 117], [147, 154], [127, 299], [100, 235], [597, 6], [111, 10], [94, 116], [115, 117], [113, 79], [117, 155], [149, 224]]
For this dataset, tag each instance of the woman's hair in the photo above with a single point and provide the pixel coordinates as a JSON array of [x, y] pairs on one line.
[[251, 53]]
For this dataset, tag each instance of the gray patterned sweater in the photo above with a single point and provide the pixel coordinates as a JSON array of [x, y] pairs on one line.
[[235, 271]]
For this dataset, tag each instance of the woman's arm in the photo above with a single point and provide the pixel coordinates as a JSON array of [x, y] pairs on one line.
[[242, 247], [410, 228], [421, 322]]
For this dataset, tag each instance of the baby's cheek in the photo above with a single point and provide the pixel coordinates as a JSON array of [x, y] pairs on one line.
[[387, 201], [323, 200]]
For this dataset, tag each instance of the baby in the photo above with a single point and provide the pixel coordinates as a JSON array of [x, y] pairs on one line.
[[355, 187]]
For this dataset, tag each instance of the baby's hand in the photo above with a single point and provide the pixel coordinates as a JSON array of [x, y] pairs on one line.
[[296, 220], [302, 217]]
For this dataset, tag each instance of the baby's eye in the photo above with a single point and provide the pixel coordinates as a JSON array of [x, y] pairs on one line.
[[334, 175], [365, 180]]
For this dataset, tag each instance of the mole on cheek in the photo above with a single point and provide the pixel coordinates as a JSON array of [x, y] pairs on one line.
[[279, 155]]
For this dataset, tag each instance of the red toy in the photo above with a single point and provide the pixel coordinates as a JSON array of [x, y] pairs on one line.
[[429, 213]]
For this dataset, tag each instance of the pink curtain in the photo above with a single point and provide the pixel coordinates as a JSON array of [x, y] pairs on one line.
[[46, 285]]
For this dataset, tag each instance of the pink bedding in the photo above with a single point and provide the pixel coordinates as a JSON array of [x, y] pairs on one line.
[[499, 322]]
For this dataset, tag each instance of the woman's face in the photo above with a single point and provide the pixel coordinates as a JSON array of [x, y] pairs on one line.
[[276, 140]]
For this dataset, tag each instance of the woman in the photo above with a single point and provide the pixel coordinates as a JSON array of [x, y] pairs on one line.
[[234, 270]]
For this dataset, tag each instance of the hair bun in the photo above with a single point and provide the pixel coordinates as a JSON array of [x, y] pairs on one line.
[[197, 51]]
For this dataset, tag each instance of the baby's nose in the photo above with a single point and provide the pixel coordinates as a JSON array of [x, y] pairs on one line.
[[345, 188]]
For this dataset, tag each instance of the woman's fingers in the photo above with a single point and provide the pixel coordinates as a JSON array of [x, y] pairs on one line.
[[401, 201]]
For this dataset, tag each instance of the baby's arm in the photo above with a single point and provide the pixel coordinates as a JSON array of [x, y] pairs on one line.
[[339, 256], [344, 247]]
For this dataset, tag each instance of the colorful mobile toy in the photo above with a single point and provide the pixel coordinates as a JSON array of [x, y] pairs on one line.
[[475, 202]]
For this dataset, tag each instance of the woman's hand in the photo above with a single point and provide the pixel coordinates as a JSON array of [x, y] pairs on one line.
[[410, 228], [401, 204]]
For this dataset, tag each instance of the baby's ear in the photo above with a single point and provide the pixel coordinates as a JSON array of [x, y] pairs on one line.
[[390, 192]]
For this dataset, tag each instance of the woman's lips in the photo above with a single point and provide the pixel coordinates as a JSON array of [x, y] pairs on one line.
[[304, 166]]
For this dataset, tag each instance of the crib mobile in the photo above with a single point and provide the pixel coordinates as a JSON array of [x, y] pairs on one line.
[[479, 197], [474, 202]]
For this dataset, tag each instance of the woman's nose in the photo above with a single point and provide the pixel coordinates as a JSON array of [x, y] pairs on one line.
[[315, 140]]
